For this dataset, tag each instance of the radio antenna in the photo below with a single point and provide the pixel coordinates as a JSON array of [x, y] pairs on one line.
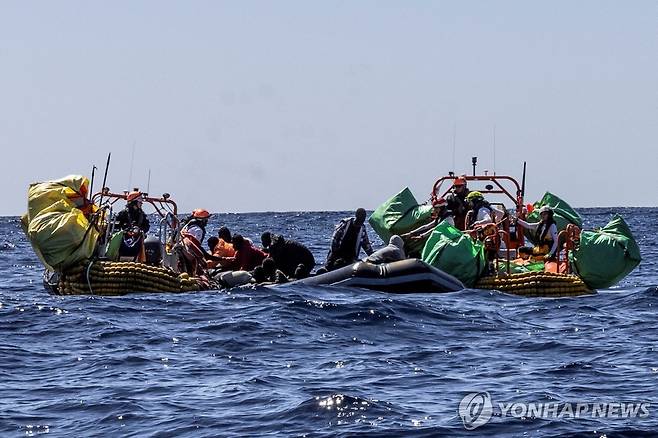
[[454, 143], [494, 150], [132, 159]]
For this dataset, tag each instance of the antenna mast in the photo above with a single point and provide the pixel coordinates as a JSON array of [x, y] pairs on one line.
[[132, 159], [494, 150], [454, 143]]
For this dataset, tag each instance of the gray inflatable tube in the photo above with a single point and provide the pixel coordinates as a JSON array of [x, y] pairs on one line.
[[405, 276]]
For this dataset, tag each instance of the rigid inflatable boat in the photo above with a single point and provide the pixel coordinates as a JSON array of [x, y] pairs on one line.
[[405, 276]]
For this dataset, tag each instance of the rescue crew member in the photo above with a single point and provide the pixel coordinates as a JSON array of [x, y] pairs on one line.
[[192, 234], [133, 216], [480, 212], [544, 235], [457, 203], [134, 224], [349, 238]]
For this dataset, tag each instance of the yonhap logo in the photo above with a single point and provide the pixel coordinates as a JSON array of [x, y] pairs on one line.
[[475, 410]]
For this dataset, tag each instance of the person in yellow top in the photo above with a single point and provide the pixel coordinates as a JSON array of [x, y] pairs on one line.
[[221, 246]]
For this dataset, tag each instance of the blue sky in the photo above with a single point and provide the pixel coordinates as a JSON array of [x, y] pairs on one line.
[[298, 105]]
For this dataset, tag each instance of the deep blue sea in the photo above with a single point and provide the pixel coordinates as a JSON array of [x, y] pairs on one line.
[[321, 361]]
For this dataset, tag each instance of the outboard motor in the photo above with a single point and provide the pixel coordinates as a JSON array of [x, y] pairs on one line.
[[153, 251]]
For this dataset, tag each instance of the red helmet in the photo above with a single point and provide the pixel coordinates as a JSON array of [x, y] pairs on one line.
[[133, 196], [459, 181], [201, 213]]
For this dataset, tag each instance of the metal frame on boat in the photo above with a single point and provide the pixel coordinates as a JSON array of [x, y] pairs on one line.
[[507, 238]]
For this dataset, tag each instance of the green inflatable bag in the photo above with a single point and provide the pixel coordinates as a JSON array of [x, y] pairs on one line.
[[455, 253], [606, 256], [399, 215]]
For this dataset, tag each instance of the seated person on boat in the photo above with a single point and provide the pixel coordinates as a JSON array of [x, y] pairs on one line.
[[246, 257], [221, 246], [544, 235], [392, 252]]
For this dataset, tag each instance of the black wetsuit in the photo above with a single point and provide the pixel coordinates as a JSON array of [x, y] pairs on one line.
[[459, 207]]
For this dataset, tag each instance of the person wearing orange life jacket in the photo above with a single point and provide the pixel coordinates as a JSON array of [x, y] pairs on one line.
[[192, 234], [220, 246], [246, 257]]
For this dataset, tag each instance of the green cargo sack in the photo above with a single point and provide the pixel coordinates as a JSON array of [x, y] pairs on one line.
[[606, 256], [516, 268], [455, 253], [399, 215], [564, 214], [114, 245]]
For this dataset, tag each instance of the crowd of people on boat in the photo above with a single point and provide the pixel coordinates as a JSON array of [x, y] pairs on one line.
[[234, 258]]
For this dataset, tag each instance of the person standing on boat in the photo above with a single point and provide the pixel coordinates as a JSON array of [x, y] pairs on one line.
[[480, 213], [133, 224], [133, 216], [544, 235], [193, 256], [349, 238], [457, 203]]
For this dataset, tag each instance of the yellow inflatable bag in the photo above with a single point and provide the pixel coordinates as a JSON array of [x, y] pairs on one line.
[[55, 224], [73, 188]]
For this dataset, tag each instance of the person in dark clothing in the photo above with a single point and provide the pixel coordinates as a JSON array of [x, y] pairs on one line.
[[212, 242], [457, 203], [134, 224], [133, 216], [266, 240], [349, 238], [272, 274], [289, 254]]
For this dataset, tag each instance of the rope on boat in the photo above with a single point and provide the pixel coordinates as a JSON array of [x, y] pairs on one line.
[[88, 279]]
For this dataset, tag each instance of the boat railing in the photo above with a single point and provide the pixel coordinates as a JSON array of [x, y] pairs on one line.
[[569, 239], [167, 231]]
